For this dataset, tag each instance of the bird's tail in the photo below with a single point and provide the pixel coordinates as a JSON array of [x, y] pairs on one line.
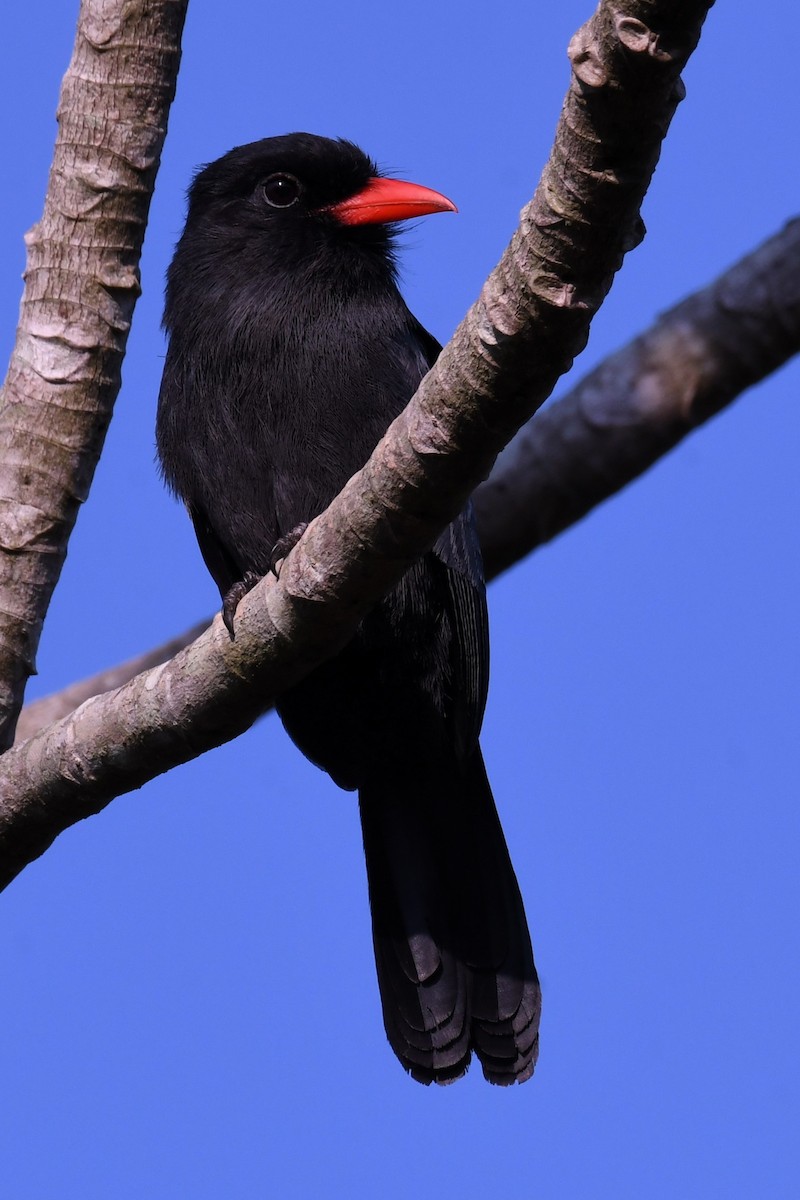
[[452, 948]]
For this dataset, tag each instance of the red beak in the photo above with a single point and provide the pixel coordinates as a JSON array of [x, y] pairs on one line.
[[385, 200]]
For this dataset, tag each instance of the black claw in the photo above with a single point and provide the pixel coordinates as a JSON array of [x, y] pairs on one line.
[[284, 545], [230, 601]]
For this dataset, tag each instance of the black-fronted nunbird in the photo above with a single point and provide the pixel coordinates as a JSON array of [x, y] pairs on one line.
[[290, 352]]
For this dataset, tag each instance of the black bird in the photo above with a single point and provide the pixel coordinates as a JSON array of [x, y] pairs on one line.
[[290, 352]]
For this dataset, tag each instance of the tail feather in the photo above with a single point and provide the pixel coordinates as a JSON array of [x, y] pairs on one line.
[[452, 949], [429, 1049], [422, 983], [506, 1001], [508, 1048]]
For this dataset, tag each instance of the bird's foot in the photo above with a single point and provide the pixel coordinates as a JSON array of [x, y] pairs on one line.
[[284, 545], [230, 601]]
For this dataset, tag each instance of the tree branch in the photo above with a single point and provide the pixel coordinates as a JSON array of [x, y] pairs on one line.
[[531, 318], [81, 284], [632, 409], [642, 401]]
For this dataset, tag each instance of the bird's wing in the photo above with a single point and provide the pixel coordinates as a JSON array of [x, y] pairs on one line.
[[459, 550], [221, 563], [427, 343]]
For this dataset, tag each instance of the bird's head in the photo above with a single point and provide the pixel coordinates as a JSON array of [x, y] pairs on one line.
[[292, 187]]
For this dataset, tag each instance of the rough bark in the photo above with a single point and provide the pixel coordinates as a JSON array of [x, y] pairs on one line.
[[81, 284], [532, 316]]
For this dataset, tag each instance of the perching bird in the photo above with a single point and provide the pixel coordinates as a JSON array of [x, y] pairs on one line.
[[290, 352]]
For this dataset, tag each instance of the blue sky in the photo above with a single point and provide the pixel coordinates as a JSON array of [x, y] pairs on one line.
[[188, 1002]]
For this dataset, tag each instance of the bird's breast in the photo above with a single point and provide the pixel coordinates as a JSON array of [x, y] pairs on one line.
[[302, 403]]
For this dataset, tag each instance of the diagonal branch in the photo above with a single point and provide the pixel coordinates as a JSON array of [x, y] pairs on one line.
[[531, 318], [642, 401], [81, 284], [633, 408]]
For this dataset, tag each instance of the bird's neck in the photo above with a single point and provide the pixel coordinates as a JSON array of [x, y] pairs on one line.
[[275, 287]]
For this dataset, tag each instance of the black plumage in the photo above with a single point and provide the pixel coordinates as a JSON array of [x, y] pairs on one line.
[[290, 352]]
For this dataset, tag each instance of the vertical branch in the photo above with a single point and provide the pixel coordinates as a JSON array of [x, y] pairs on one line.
[[81, 285]]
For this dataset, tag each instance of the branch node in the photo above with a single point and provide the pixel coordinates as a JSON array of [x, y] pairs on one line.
[[635, 36], [587, 66]]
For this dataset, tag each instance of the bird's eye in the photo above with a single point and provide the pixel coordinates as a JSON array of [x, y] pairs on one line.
[[281, 191]]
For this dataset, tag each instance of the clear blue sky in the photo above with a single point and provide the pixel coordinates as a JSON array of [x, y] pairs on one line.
[[188, 1002]]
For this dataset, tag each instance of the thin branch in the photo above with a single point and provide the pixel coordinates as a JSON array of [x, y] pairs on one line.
[[531, 317], [82, 281], [642, 401], [633, 408]]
